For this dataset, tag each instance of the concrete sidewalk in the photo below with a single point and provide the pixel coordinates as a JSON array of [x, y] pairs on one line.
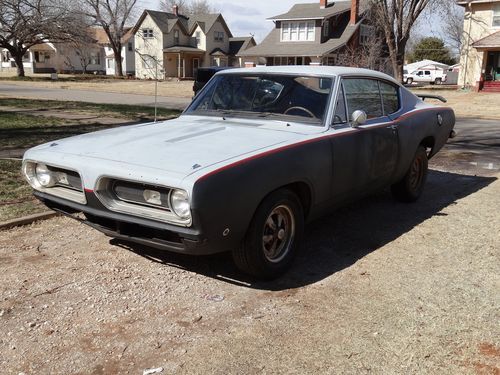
[[30, 92]]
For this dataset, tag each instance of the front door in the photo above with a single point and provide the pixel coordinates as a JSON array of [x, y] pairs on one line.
[[196, 65]]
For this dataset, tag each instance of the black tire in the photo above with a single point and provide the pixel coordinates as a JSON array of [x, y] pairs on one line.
[[409, 81], [438, 81], [267, 252], [412, 184]]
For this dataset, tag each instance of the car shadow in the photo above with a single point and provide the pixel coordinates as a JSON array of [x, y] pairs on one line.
[[335, 242]]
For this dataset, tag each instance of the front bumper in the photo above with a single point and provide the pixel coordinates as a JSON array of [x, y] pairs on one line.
[[129, 228]]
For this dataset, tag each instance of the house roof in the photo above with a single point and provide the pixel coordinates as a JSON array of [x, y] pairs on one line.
[[166, 21], [313, 11], [237, 45], [272, 46], [218, 52], [492, 40], [100, 36]]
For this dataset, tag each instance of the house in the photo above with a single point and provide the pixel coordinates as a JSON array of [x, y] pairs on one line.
[[480, 52], [311, 34], [92, 56], [173, 45], [128, 51]]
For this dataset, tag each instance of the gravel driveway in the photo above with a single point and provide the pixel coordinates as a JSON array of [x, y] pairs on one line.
[[379, 287]]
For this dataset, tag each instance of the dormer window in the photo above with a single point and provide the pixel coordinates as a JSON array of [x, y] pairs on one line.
[[147, 33], [326, 29], [176, 37], [198, 38], [297, 31]]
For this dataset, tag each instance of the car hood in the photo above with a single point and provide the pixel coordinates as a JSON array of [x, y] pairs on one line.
[[182, 146]]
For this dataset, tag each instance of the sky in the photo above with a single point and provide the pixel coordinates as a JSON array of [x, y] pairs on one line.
[[246, 17]]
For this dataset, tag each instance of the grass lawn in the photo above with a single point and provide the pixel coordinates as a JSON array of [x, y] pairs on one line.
[[19, 130], [16, 198]]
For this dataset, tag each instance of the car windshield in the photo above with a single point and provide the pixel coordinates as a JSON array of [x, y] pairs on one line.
[[281, 97]]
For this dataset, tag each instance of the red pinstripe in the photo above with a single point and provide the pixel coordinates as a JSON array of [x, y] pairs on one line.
[[283, 148]]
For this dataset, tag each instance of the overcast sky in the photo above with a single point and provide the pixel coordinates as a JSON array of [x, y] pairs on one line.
[[245, 17]]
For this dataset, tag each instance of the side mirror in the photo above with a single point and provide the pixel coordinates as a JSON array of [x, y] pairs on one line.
[[358, 118]]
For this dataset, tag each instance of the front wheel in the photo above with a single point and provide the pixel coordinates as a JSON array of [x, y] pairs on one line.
[[409, 81], [412, 184], [438, 81], [273, 236]]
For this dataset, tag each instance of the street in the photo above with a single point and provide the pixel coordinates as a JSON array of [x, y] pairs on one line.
[[33, 92]]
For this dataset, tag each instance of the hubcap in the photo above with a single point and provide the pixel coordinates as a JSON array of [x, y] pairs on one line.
[[278, 233], [416, 173]]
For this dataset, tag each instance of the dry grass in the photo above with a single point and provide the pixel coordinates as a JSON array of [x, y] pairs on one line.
[[174, 88]]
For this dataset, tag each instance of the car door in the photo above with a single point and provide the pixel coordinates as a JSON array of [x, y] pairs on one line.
[[364, 157]]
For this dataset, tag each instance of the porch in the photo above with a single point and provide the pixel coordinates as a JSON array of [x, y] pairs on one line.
[[182, 61]]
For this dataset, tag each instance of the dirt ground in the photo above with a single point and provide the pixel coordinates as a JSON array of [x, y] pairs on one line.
[[379, 288]]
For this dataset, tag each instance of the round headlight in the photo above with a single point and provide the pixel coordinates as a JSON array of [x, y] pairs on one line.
[[44, 176], [180, 204]]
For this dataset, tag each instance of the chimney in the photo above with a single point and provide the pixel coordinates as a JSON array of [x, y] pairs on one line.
[[175, 9], [323, 4], [354, 12]]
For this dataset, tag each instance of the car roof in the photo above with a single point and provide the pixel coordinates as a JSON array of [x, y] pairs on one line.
[[312, 70]]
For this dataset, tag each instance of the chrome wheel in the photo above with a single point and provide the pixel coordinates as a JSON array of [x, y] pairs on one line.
[[278, 233]]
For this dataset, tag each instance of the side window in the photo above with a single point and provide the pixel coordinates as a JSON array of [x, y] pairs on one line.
[[363, 94], [390, 98], [340, 116]]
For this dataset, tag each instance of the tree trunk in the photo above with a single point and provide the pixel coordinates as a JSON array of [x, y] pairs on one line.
[[18, 58], [118, 62]]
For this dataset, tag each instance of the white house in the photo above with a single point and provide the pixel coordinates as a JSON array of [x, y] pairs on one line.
[[175, 45]]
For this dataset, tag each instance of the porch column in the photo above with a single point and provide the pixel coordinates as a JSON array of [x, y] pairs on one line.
[[184, 68], [179, 65]]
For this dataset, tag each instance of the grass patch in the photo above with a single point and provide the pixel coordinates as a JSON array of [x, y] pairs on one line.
[[16, 197], [116, 110], [21, 130]]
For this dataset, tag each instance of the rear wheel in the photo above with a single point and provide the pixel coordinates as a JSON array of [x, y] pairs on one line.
[[412, 184], [273, 236]]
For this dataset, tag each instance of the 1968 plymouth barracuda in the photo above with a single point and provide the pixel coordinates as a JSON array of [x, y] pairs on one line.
[[258, 153]]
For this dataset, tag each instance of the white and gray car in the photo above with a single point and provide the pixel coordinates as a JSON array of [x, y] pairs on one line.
[[258, 153]]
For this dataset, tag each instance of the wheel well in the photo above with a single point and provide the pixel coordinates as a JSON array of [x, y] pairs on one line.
[[303, 191], [428, 143]]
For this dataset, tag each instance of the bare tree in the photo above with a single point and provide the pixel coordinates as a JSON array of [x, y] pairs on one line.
[[26, 23], [112, 15], [396, 18], [168, 6], [453, 25], [188, 7], [84, 46]]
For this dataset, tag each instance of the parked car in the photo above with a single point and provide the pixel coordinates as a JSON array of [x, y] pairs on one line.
[[258, 153], [426, 76], [203, 75]]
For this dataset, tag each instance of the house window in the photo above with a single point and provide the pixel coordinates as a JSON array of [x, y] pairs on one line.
[[219, 36], [496, 16], [130, 46], [147, 33], [95, 58], [198, 38], [176, 37], [364, 34], [297, 31], [326, 29]]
